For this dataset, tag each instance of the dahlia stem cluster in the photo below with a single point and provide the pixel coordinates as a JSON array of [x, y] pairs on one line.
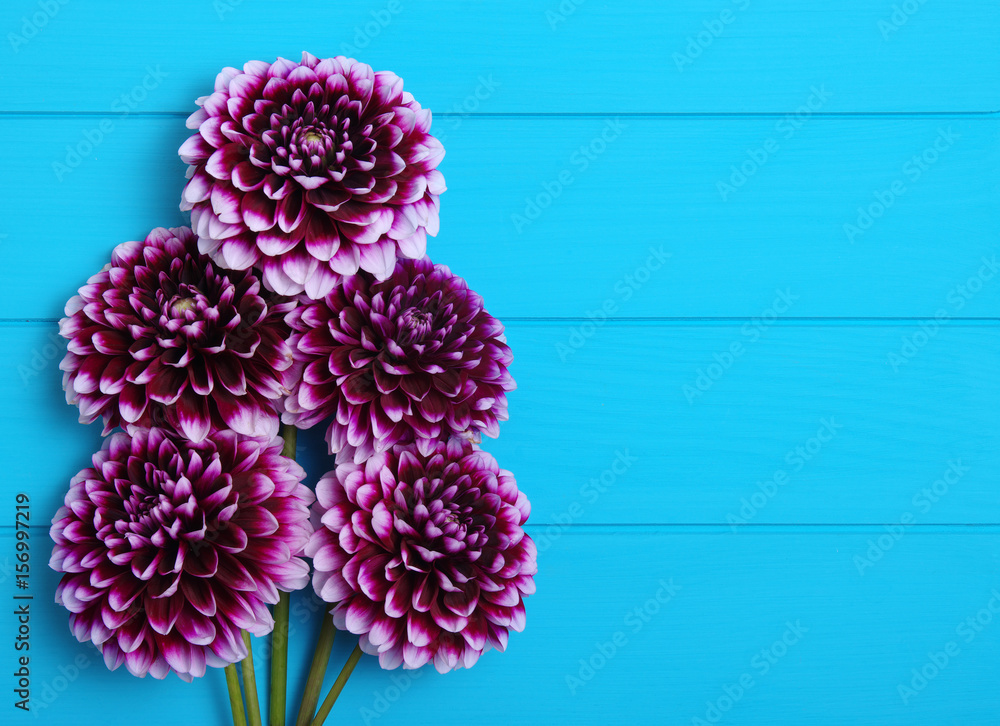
[[314, 682], [235, 696], [300, 295], [279, 638]]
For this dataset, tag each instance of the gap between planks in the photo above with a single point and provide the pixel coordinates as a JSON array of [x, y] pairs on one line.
[[535, 528], [908, 115], [666, 321]]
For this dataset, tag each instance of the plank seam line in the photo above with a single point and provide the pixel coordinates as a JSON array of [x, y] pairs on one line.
[[707, 320], [583, 114], [930, 528]]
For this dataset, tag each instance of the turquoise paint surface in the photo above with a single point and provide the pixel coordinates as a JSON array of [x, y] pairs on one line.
[[746, 254]]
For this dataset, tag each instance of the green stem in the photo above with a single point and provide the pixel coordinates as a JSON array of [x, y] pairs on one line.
[[250, 684], [279, 660], [338, 686], [279, 639], [289, 434], [235, 697], [314, 683]]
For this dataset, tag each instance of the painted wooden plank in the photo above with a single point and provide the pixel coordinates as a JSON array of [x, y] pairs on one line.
[[769, 628], [523, 56], [640, 228], [650, 423]]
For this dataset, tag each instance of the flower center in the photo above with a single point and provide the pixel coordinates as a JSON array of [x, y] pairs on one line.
[[187, 304], [181, 305], [162, 510], [315, 146], [146, 514], [414, 325], [144, 506]]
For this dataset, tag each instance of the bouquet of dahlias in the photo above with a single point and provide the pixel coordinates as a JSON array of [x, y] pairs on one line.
[[301, 294]]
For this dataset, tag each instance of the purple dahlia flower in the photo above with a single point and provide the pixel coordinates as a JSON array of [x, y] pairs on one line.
[[169, 548], [415, 355], [424, 557], [160, 337], [310, 171]]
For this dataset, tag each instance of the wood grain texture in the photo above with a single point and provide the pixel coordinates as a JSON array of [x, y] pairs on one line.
[[854, 639], [809, 424], [542, 56], [732, 383], [640, 230]]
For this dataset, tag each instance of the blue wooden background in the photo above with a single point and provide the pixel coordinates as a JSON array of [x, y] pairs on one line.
[[746, 253]]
